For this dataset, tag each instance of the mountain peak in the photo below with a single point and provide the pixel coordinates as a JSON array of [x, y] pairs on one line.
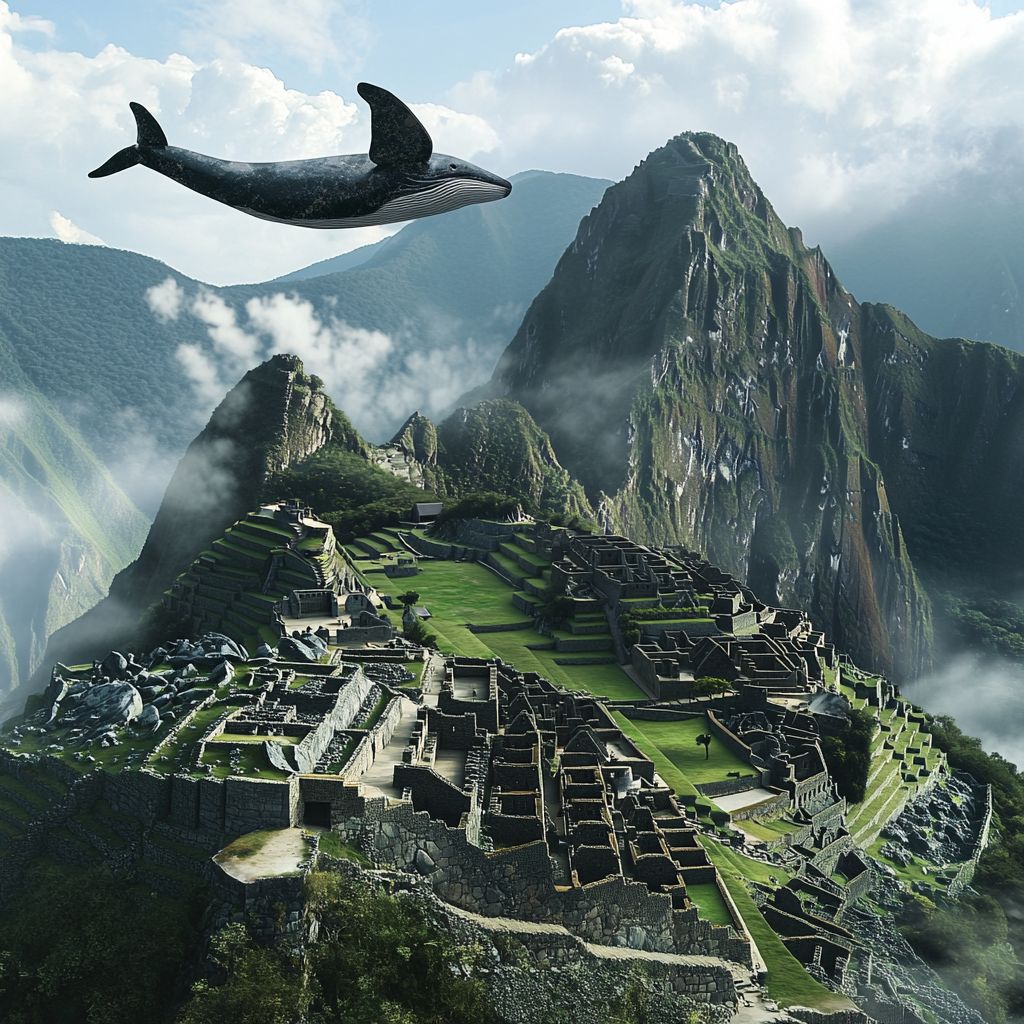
[[697, 369]]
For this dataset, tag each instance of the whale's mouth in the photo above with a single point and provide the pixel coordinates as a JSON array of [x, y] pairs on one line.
[[429, 196]]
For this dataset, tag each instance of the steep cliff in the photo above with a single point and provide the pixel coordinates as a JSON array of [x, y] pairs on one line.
[[274, 417], [701, 372], [492, 446], [66, 529]]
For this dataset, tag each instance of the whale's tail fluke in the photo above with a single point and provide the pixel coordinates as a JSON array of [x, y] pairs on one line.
[[149, 134]]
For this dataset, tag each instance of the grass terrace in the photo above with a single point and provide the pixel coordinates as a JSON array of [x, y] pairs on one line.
[[788, 983], [461, 594], [678, 741], [709, 903], [251, 761]]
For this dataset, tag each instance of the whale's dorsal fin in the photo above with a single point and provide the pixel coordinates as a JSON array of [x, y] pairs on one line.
[[398, 138]]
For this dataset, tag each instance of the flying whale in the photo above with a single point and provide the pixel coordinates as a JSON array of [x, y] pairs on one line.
[[400, 179]]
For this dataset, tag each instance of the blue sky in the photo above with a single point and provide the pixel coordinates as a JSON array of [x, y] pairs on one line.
[[843, 109], [419, 48]]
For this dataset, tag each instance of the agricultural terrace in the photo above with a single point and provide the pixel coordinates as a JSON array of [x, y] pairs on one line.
[[462, 595]]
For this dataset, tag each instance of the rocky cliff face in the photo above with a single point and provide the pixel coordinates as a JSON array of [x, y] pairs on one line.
[[274, 417], [493, 446], [711, 383]]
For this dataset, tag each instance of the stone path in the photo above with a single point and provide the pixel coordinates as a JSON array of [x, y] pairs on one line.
[[515, 925], [281, 854], [379, 777], [753, 1006]]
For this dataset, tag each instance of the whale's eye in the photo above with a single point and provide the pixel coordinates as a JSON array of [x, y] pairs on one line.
[[453, 167]]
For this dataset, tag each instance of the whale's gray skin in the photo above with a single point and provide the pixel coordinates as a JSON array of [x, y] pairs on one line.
[[400, 179]]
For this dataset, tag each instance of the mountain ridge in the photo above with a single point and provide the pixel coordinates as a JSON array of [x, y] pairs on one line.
[[702, 372]]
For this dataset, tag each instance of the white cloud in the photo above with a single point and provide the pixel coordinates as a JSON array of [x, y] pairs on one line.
[[463, 135], [65, 113], [377, 378], [69, 232], [229, 340], [309, 30], [986, 697], [165, 299], [842, 109], [203, 374]]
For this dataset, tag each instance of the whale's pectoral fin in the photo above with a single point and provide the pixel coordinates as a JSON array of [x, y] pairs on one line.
[[398, 138]]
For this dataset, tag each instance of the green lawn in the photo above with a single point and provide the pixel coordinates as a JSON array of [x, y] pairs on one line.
[[252, 761], [459, 593], [678, 742], [666, 768], [788, 983], [334, 846], [709, 903]]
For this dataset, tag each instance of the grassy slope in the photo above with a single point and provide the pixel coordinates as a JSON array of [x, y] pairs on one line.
[[459, 594]]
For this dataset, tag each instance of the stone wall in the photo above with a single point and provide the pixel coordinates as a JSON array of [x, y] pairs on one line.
[[519, 882], [311, 749], [965, 873]]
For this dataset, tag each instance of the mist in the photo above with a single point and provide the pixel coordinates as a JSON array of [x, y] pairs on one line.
[[984, 693], [377, 378]]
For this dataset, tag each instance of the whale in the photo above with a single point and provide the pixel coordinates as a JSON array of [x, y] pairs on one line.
[[400, 179]]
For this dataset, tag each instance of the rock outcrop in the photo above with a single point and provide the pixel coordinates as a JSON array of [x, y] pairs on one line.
[[274, 417], [493, 445]]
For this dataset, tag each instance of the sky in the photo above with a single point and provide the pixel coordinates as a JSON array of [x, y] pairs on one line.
[[844, 109]]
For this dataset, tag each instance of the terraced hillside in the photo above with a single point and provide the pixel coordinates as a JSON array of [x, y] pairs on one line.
[[903, 762], [484, 603], [235, 585]]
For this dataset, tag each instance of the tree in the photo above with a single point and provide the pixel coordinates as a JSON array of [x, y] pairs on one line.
[[410, 597], [705, 739], [418, 633], [262, 986], [708, 686], [848, 755]]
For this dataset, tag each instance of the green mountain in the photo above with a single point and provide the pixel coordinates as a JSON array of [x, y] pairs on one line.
[[78, 323], [278, 435], [275, 416], [67, 527], [710, 381], [77, 334], [492, 446]]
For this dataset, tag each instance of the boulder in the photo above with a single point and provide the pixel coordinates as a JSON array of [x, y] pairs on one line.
[[111, 704], [265, 651], [221, 673], [114, 665], [293, 648], [217, 645], [424, 863], [277, 756], [149, 719]]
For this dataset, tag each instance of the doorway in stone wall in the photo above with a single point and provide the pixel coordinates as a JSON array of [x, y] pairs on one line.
[[316, 812]]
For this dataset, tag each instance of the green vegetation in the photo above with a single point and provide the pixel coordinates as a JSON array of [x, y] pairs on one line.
[[788, 983], [377, 958], [480, 505], [348, 492], [709, 902], [248, 845], [994, 918], [460, 594], [333, 845], [78, 946], [677, 741], [848, 755]]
